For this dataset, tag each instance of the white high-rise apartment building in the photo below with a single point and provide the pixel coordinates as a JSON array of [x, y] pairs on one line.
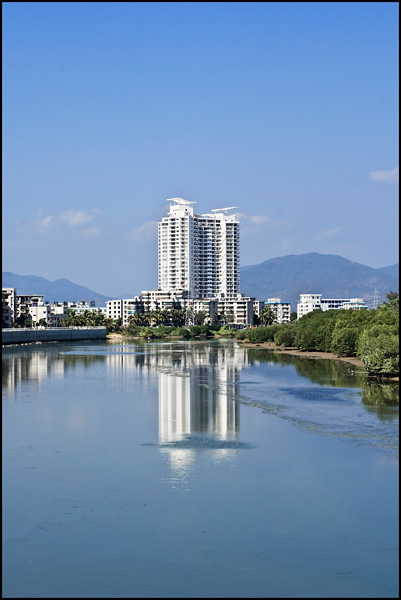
[[199, 253]]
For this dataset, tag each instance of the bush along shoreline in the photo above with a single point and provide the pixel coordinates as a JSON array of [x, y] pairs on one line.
[[371, 335]]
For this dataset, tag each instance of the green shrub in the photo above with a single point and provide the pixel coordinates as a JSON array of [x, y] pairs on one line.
[[242, 334], [262, 334], [205, 330], [378, 348], [226, 331], [305, 338], [285, 336], [343, 341]]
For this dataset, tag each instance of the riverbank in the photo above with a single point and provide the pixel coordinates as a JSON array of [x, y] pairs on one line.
[[269, 345], [354, 360]]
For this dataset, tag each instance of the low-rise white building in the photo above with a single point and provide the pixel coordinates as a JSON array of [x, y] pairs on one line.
[[356, 304], [27, 301], [258, 306], [163, 299], [51, 313], [310, 302], [239, 310], [81, 307], [114, 309], [129, 307], [235, 312]]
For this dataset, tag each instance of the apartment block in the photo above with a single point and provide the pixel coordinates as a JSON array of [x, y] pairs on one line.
[[162, 299], [238, 311], [27, 301], [9, 306], [52, 313], [199, 253], [282, 310], [114, 309]]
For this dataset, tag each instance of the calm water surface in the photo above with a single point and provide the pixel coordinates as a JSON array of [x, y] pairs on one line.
[[196, 469]]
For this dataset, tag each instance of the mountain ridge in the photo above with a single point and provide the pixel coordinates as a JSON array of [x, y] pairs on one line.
[[59, 290], [331, 275], [284, 277]]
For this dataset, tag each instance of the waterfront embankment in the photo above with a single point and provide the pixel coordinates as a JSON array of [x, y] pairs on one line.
[[51, 334]]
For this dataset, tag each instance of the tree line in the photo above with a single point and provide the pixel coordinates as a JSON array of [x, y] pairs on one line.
[[371, 335]]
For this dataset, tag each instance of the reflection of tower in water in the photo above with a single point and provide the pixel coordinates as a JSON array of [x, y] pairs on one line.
[[197, 400], [33, 366]]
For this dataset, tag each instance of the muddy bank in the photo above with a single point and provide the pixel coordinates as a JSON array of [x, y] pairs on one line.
[[354, 360]]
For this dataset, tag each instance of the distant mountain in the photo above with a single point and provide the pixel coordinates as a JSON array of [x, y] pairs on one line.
[[393, 270], [54, 291], [332, 276], [285, 277]]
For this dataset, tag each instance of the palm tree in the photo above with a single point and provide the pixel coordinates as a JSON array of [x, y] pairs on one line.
[[178, 316], [159, 316], [165, 316], [267, 315], [136, 318], [147, 318]]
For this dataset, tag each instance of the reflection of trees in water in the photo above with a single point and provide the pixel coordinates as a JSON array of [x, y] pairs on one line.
[[377, 397], [381, 398], [86, 360], [317, 370]]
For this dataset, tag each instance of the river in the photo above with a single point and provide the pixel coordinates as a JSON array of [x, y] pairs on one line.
[[182, 469]]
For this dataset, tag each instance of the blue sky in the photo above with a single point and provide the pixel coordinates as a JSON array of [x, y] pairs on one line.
[[287, 110]]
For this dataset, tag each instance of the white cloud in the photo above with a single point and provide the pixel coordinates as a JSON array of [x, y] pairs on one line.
[[385, 176], [321, 236], [255, 219], [91, 231]]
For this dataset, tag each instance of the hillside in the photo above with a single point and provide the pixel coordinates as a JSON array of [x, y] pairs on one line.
[[332, 276], [54, 291]]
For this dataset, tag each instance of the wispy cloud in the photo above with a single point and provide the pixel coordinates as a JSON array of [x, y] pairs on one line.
[[45, 222], [75, 218], [147, 229], [327, 234], [255, 219], [385, 176], [71, 217]]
